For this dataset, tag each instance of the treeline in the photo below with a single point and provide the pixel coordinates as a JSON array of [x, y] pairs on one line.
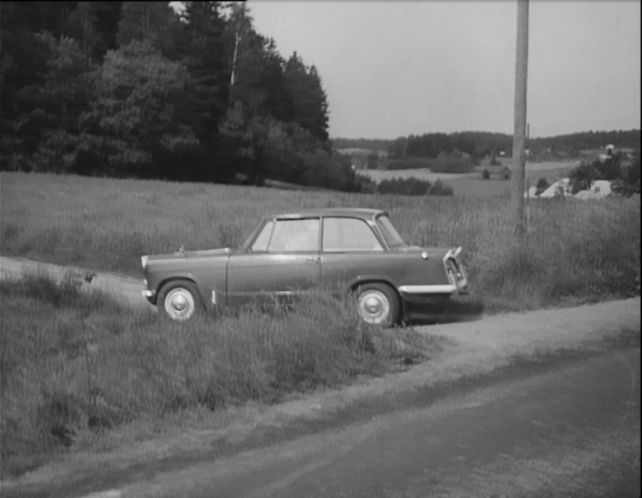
[[138, 89], [573, 144], [481, 144], [475, 144]]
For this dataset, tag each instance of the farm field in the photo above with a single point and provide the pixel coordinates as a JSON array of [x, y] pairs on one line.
[[471, 184]]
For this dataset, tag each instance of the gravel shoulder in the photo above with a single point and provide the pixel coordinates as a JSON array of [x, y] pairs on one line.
[[476, 349]]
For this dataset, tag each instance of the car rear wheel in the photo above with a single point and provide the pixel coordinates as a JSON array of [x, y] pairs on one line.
[[377, 304], [179, 300]]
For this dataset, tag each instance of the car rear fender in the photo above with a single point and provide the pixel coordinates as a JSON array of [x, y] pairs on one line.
[[371, 279]]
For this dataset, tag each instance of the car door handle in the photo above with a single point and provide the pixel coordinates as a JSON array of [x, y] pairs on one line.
[[312, 258]]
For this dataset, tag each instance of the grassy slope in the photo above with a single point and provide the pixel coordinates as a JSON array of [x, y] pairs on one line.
[[575, 251], [73, 366]]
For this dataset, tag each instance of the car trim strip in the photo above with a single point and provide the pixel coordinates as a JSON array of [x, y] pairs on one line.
[[428, 289]]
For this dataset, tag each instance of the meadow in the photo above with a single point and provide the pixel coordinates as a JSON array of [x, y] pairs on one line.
[[77, 368], [572, 251]]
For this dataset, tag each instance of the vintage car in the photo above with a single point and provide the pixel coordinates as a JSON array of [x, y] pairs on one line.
[[346, 250]]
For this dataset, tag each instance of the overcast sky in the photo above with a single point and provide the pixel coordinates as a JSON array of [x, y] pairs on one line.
[[392, 69]]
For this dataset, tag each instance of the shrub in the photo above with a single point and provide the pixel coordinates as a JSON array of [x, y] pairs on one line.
[[439, 188], [404, 186], [542, 185], [456, 162]]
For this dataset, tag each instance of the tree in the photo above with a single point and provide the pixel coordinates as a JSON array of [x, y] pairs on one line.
[[131, 124], [309, 101], [61, 98], [201, 50], [24, 56], [155, 22]]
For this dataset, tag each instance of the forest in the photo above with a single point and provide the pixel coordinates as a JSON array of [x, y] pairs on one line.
[[139, 89]]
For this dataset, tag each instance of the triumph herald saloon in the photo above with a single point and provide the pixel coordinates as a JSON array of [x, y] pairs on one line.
[[345, 250]]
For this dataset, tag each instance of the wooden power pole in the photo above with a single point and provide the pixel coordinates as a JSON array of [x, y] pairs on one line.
[[519, 134]]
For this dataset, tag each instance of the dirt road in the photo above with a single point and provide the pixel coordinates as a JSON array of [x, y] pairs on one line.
[[481, 352], [125, 289]]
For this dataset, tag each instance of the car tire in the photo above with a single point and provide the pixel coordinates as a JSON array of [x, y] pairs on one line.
[[377, 304], [179, 300]]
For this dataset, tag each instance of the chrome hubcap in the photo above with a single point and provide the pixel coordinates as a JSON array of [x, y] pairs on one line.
[[374, 307], [179, 304]]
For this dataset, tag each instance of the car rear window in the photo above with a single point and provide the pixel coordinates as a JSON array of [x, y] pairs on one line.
[[348, 234]]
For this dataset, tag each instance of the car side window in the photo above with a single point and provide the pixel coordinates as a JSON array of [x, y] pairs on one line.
[[261, 242], [348, 234], [295, 236]]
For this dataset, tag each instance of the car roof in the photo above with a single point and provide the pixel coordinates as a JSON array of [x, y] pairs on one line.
[[363, 213]]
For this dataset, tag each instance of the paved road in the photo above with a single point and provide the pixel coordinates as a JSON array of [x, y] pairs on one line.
[[571, 432]]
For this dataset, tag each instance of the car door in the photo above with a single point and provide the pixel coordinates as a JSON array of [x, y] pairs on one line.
[[282, 262], [350, 250]]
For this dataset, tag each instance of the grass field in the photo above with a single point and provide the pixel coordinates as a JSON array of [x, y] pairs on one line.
[[76, 366], [575, 250], [78, 369]]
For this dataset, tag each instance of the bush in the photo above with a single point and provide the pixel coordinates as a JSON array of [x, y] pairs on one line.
[[456, 162], [404, 186], [408, 163], [542, 185], [612, 168], [439, 188]]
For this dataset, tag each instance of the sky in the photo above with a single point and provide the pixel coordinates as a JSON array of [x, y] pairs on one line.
[[393, 69]]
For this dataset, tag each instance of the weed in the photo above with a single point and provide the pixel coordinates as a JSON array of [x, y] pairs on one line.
[[95, 366]]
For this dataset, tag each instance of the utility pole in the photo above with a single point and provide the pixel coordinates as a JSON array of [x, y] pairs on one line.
[[519, 133]]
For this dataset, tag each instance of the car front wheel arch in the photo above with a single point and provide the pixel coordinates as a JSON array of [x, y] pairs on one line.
[[377, 303], [179, 300]]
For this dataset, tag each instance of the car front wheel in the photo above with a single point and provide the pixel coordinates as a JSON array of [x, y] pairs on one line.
[[179, 300], [377, 304]]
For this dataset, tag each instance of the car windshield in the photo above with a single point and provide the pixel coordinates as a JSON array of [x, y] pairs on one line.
[[393, 239]]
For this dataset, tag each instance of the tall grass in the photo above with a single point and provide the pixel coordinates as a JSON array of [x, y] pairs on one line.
[[75, 365], [574, 251]]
